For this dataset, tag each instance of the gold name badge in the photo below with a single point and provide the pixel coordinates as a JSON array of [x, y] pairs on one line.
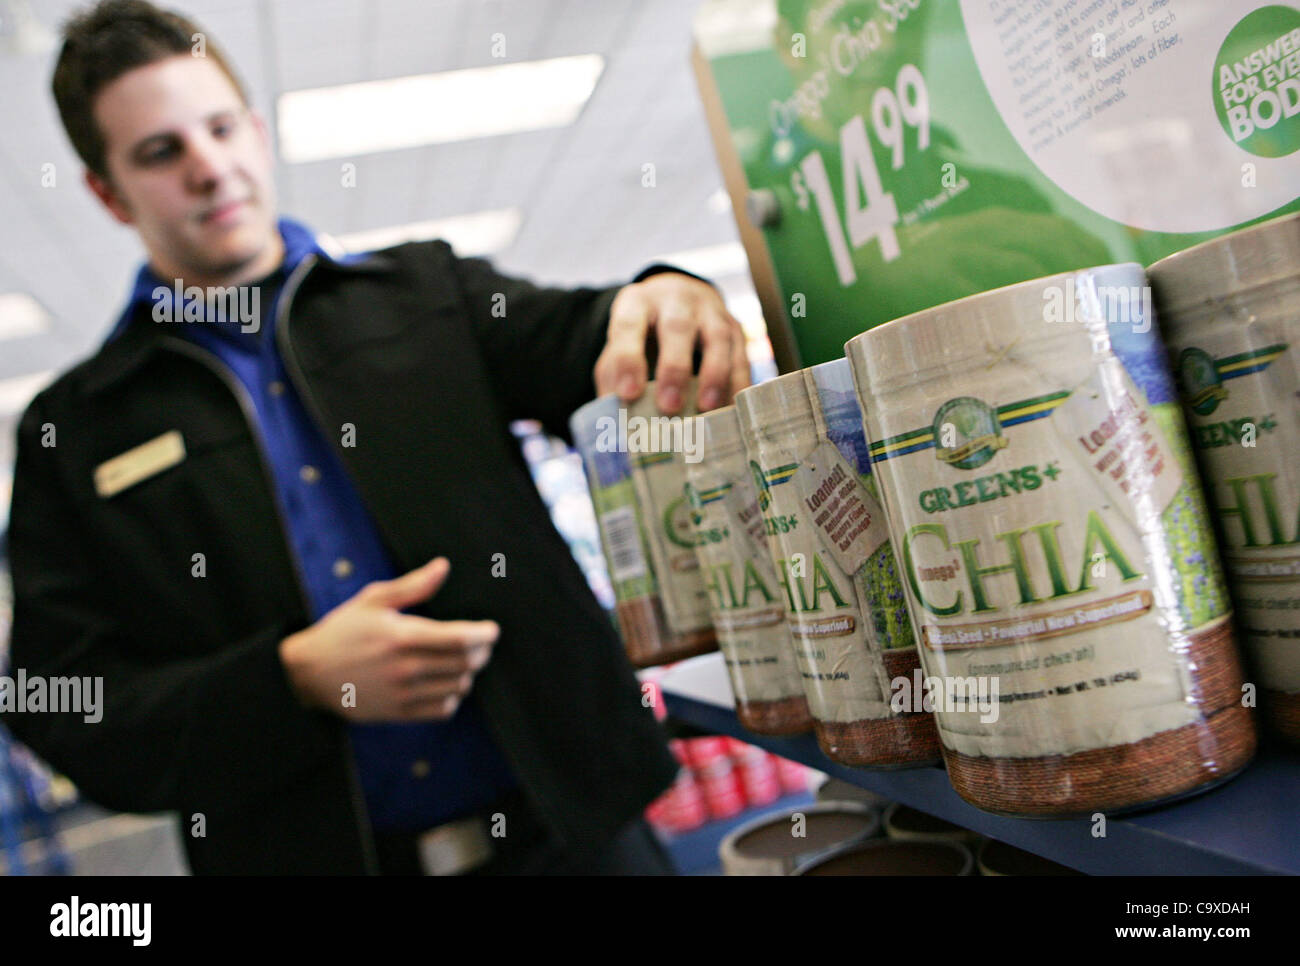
[[137, 464]]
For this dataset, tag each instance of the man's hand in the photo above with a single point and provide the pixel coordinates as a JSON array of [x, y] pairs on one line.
[[681, 311], [403, 667]]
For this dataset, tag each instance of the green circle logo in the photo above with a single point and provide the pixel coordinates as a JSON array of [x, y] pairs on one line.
[[967, 432], [1198, 376], [694, 501], [1255, 87], [677, 524]]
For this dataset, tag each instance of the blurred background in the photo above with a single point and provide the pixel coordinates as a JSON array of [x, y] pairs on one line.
[[563, 139]]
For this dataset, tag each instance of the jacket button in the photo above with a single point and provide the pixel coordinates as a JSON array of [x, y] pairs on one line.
[[309, 474], [342, 568], [419, 768]]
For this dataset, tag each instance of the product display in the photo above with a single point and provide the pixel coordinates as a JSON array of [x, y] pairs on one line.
[[644, 529], [1060, 563], [1230, 315], [893, 858], [777, 844], [745, 599], [823, 559]]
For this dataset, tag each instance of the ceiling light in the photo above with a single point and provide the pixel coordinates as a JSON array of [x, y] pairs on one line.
[[21, 316], [406, 112]]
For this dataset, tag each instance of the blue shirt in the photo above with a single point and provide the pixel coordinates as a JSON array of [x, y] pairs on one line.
[[413, 776]]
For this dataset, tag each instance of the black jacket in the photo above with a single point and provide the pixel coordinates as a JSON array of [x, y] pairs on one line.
[[198, 715]]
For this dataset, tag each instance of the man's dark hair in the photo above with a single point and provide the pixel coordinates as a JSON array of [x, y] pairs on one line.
[[104, 42]]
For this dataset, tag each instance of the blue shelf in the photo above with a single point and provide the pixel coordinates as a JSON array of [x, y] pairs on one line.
[[1247, 826]]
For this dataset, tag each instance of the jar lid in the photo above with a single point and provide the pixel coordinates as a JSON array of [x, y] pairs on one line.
[[772, 404], [1221, 267], [982, 329]]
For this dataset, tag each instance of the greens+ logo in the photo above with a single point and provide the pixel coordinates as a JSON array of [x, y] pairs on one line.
[[967, 432], [1198, 376]]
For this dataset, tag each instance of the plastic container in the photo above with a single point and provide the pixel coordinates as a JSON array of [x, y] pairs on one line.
[[746, 603], [1060, 562], [1230, 315], [758, 777], [893, 858], [846, 675], [660, 601], [776, 844]]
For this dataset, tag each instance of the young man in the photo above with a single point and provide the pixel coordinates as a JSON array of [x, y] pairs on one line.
[[232, 522]]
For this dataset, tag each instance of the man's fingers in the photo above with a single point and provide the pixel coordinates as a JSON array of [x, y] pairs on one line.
[[717, 334], [436, 688], [434, 709], [423, 665], [676, 327], [429, 635], [410, 588], [622, 365]]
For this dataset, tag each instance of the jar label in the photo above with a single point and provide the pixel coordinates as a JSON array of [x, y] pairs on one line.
[[658, 461], [850, 520], [1056, 544], [1242, 400], [836, 652], [744, 595]]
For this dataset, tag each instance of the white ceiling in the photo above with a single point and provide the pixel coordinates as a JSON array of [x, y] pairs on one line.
[[586, 216]]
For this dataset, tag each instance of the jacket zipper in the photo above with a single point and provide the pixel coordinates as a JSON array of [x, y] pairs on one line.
[[213, 363]]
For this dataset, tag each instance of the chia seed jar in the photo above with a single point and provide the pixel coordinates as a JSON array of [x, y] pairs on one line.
[[1230, 315], [1060, 562], [660, 601], [746, 602], [822, 530]]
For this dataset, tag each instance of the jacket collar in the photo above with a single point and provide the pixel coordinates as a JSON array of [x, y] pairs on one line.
[[135, 336]]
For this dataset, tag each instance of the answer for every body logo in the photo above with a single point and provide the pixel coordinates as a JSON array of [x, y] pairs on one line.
[[1256, 82]]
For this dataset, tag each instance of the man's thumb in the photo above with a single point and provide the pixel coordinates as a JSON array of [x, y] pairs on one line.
[[414, 586]]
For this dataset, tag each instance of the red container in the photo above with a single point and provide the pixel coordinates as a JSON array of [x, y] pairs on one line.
[[682, 807], [701, 752], [758, 778], [723, 793], [793, 776]]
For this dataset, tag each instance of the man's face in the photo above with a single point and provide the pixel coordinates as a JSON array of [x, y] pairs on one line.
[[189, 167]]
